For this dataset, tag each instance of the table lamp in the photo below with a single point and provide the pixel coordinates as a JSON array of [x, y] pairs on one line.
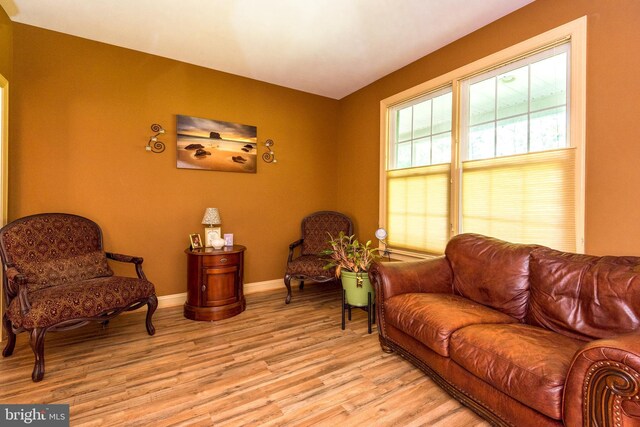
[[213, 235]]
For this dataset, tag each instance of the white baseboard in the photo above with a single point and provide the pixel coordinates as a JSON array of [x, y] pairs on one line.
[[176, 300], [172, 300], [269, 285]]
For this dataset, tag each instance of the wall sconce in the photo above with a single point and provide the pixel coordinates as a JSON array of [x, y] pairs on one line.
[[157, 146], [269, 156]]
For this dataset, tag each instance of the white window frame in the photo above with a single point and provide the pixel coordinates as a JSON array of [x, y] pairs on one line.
[[576, 32], [4, 161]]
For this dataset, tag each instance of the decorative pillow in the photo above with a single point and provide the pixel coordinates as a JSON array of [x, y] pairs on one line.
[[65, 270]]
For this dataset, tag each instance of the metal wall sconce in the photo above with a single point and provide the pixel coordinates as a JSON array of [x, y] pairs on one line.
[[269, 156], [154, 145]]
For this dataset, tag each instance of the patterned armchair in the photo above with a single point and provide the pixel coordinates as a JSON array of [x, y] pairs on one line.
[[315, 234], [56, 277]]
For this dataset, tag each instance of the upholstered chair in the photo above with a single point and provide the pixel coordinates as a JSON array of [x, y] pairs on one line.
[[308, 265], [56, 277]]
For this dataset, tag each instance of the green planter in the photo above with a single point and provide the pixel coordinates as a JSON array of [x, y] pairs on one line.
[[357, 287], [357, 292]]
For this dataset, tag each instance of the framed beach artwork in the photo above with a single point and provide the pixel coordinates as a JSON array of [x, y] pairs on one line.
[[216, 145]]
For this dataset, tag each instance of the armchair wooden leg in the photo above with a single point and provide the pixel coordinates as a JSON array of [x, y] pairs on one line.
[[11, 337], [152, 304], [287, 283], [36, 340]]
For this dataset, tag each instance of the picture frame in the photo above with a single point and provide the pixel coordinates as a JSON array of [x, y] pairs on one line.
[[215, 145], [211, 233], [228, 239], [196, 241]]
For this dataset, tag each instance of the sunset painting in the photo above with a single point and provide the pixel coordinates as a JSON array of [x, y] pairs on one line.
[[215, 145]]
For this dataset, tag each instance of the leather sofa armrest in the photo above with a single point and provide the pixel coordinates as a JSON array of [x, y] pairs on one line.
[[428, 276], [130, 259], [603, 383]]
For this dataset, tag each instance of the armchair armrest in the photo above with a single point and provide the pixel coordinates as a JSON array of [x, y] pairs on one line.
[[130, 259], [292, 246], [394, 278], [17, 286], [125, 258], [603, 383]]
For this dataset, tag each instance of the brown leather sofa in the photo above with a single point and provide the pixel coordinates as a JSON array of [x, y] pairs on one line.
[[522, 334]]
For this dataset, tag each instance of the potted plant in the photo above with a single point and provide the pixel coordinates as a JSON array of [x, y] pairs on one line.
[[352, 259]]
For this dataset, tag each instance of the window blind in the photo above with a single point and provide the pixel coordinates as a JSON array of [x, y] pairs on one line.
[[527, 198], [418, 208]]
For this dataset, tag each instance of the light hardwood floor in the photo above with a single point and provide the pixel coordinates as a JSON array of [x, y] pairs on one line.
[[274, 364]]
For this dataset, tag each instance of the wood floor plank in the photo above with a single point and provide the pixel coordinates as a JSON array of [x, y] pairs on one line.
[[272, 365]]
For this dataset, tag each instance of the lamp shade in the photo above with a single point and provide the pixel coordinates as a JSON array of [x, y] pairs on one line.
[[211, 216]]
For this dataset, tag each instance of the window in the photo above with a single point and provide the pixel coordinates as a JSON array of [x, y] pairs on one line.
[[495, 147], [518, 108], [422, 131], [420, 172]]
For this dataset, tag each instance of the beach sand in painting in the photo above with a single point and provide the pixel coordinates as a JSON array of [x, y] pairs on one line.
[[222, 154]]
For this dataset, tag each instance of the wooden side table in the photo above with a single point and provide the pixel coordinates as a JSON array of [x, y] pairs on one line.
[[214, 283]]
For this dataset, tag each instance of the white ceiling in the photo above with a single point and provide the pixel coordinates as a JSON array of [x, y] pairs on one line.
[[325, 47]]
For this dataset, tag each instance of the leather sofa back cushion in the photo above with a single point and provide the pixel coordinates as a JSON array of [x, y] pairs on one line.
[[583, 296], [491, 272]]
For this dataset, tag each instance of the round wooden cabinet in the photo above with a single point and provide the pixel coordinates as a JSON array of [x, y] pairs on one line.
[[214, 283]]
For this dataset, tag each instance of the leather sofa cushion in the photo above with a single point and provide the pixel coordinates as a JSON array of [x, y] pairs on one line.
[[527, 363], [86, 299], [491, 272], [432, 318], [583, 296]]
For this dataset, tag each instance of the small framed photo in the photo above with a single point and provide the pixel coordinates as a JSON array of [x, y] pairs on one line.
[[211, 233], [228, 239], [196, 241]]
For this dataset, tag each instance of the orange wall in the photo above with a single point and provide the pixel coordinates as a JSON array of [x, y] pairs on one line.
[[81, 112], [613, 112], [6, 44]]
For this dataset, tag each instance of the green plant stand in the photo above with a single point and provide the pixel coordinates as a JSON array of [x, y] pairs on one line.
[[370, 309], [357, 292]]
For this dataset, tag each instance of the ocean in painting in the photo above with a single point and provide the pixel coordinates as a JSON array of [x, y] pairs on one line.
[[216, 145]]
